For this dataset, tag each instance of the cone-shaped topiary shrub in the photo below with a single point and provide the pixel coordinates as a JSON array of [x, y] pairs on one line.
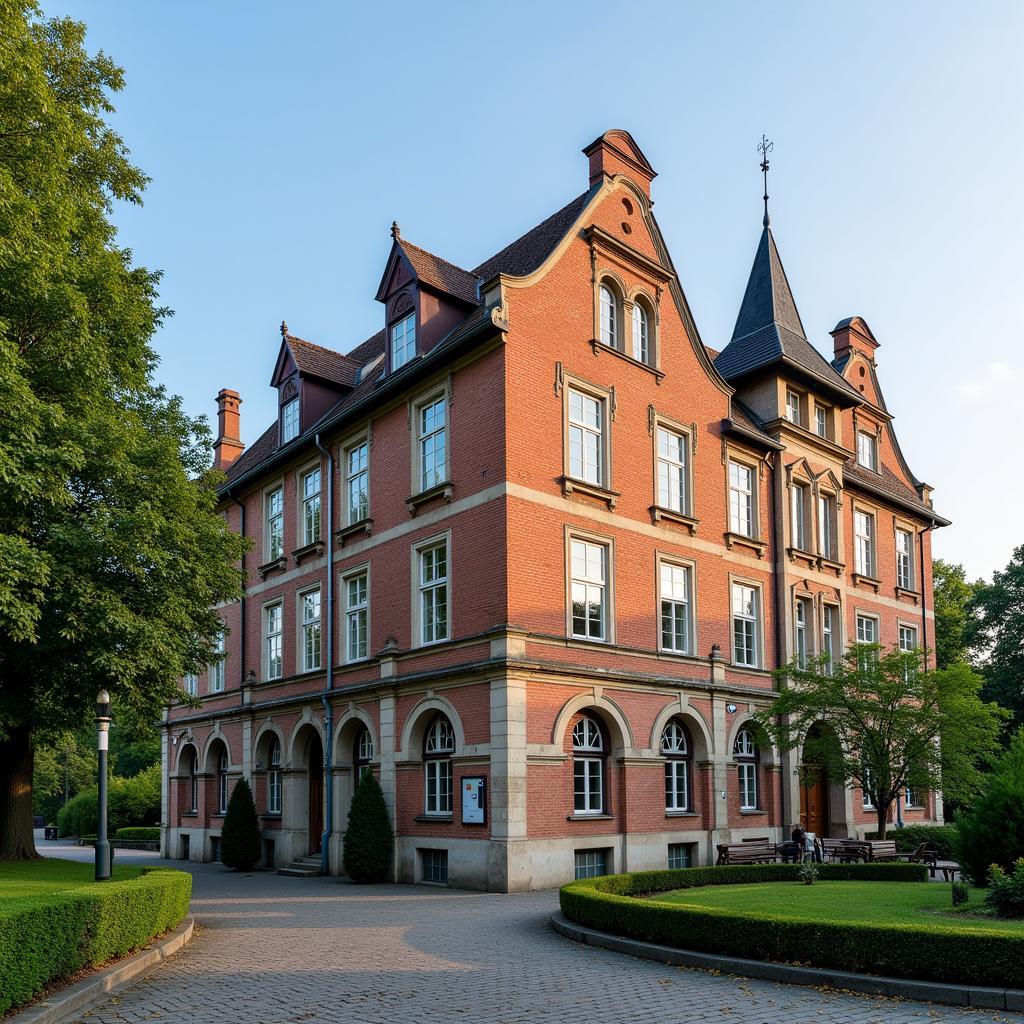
[[240, 836], [369, 840]]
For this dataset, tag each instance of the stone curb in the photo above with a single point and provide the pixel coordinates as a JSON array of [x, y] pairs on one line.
[[74, 1000], [901, 988]]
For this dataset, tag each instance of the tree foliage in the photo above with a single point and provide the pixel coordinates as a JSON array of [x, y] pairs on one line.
[[874, 719], [955, 633], [998, 638], [112, 557], [134, 801], [369, 839], [240, 834]]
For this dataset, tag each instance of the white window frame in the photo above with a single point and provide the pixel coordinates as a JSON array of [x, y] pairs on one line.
[[191, 684], [223, 765], [675, 750], [757, 621], [865, 550], [356, 511], [828, 518], [743, 500], [274, 777], [830, 638], [273, 522], [427, 590], [745, 755], [905, 630], [672, 599], [641, 332], [402, 341], [217, 669], [193, 782], [820, 420], [311, 633], [438, 751], [273, 640], [867, 450], [798, 496], [672, 468], [356, 614], [802, 631], [863, 619], [609, 316], [290, 420], [578, 432], [585, 583], [429, 441], [867, 802], [587, 741], [793, 407], [311, 520], [905, 559]]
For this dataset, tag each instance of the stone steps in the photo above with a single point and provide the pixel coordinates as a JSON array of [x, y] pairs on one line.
[[304, 867]]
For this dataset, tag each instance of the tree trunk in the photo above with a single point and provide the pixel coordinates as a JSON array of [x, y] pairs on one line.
[[16, 759], [882, 814]]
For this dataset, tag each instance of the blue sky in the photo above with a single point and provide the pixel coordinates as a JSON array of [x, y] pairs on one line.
[[283, 140]]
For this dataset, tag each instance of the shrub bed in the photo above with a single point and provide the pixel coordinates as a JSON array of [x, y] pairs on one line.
[[949, 954], [46, 938], [147, 834]]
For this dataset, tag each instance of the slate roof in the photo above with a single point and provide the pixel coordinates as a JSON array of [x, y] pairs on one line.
[[325, 363], [887, 483], [769, 330], [439, 274]]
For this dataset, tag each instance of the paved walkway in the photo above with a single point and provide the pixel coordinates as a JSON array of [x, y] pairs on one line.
[[275, 950]]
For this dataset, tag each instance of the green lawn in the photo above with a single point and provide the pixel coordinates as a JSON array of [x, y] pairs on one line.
[[918, 903], [26, 879]]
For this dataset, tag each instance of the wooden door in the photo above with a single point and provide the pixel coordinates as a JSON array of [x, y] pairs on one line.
[[813, 809], [316, 795]]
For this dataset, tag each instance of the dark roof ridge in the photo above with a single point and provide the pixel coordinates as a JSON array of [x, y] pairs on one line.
[[433, 255]]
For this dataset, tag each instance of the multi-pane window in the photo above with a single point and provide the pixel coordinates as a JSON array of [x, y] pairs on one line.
[[904, 559], [433, 587], [800, 630], [867, 450], [864, 541], [820, 421], [590, 863], [311, 506], [357, 607], [910, 797], [193, 784], [745, 752], [217, 668], [222, 783], [640, 333], [827, 526], [586, 438], [908, 639], [273, 628], [434, 866], [275, 523], [675, 748], [793, 407], [588, 767], [829, 635], [433, 443], [867, 629], [798, 512], [680, 855], [672, 472], [274, 778], [289, 420], [357, 481], [438, 747], [192, 684], [867, 784], [589, 589], [745, 613], [403, 341], [609, 317], [741, 499], [676, 634], [362, 752], [310, 605]]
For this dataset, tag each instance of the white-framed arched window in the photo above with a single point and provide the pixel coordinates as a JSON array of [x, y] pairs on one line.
[[438, 747], [274, 778], [222, 782], [362, 752], [641, 333], [677, 751], [588, 756], [745, 752], [610, 328], [193, 782]]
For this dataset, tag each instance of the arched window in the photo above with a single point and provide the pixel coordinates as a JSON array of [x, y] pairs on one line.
[[588, 754], [438, 747], [641, 333], [675, 748], [609, 317], [745, 752], [274, 778], [193, 783], [222, 782], [362, 753]]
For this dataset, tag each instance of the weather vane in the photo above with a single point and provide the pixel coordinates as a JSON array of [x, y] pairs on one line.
[[764, 147]]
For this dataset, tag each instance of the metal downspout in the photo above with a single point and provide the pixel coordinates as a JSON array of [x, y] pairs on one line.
[[241, 601], [325, 859]]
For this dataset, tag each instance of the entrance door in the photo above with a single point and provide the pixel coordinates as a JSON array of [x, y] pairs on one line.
[[813, 803], [316, 794]]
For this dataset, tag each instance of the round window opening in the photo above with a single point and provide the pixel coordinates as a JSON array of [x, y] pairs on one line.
[[628, 207], [626, 229]]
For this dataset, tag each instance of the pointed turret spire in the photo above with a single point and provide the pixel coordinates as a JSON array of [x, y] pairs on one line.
[[764, 148]]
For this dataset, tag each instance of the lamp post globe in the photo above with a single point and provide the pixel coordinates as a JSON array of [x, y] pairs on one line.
[[102, 738]]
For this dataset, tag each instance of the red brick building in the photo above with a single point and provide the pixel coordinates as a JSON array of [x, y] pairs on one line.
[[531, 552]]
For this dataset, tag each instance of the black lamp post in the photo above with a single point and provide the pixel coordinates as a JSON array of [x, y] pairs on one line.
[[102, 737]]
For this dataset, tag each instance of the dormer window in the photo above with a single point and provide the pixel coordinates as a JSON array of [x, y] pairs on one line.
[[867, 450], [403, 341], [289, 420], [793, 407]]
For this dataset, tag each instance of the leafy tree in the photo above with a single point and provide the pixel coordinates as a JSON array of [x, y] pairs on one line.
[[112, 557], [999, 609], [882, 718], [240, 834], [991, 831], [134, 801], [63, 768], [954, 626], [369, 839]]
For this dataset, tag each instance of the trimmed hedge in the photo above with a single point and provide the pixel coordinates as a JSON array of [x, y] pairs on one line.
[[146, 834], [609, 904], [941, 838], [46, 938]]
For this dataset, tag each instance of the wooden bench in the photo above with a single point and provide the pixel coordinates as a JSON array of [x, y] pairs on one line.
[[831, 849], [750, 852], [881, 849]]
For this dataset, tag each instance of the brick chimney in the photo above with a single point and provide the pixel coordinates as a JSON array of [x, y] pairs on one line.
[[228, 445], [853, 335], [615, 152]]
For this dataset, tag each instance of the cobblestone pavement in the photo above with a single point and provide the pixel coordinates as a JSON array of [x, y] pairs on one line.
[[275, 950]]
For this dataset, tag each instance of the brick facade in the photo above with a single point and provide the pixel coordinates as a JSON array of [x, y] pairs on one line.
[[503, 355]]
